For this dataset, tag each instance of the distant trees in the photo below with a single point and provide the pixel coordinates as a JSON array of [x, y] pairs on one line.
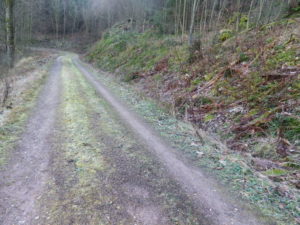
[[294, 3], [188, 18]]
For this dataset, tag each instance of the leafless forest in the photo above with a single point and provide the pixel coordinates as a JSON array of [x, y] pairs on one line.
[[42, 20]]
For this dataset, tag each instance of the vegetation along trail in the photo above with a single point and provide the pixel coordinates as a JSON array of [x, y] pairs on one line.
[[86, 158]]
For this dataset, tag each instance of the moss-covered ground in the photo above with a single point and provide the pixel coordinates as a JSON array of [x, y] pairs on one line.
[[246, 85]]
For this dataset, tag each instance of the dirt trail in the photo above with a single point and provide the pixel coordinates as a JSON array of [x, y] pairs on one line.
[[100, 174], [217, 208], [23, 180], [85, 158]]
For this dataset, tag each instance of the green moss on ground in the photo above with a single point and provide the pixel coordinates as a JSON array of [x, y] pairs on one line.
[[77, 162], [246, 67], [131, 52]]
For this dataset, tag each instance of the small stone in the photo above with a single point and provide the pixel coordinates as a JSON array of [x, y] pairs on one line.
[[200, 154], [194, 144], [223, 162]]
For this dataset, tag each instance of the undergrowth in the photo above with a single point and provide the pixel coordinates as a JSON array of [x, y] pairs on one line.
[[132, 53], [249, 80], [245, 88]]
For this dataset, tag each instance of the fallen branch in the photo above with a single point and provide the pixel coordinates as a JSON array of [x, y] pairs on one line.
[[290, 115], [219, 76]]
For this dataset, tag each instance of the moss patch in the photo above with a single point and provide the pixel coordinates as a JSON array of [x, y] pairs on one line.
[[131, 52]]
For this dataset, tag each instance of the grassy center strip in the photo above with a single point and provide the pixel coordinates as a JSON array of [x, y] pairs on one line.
[[76, 189]]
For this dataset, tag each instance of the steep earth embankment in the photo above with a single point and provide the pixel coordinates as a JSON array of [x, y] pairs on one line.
[[243, 89]]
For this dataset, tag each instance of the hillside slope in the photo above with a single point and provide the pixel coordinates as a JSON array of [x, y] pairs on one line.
[[242, 87]]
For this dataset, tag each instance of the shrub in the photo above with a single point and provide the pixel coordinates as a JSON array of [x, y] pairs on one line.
[[225, 35], [290, 126]]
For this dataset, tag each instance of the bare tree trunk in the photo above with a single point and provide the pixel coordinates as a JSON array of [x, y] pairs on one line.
[[212, 14], [249, 14], [293, 3], [221, 10], [270, 12], [176, 18], [31, 21], [195, 46], [237, 26], [184, 18], [65, 19], [10, 32], [74, 22], [261, 6], [194, 9], [205, 15]]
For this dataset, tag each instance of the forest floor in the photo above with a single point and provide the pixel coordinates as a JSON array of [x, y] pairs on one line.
[[86, 157]]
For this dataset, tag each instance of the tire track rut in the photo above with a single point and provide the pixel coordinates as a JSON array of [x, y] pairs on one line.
[[24, 178]]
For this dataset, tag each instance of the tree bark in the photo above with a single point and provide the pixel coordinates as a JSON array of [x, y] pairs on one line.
[[194, 9], [10, 32]]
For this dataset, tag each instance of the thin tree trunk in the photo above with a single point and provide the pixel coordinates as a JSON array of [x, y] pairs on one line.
[[31, 21], [194, 9], [280, 10], [212, 14], [10, 32], [183, 18], [65, 19], [176, 17], [221, 11], [261, 6], [249, 14], [270, 12], [205, 15], [238, 16]]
